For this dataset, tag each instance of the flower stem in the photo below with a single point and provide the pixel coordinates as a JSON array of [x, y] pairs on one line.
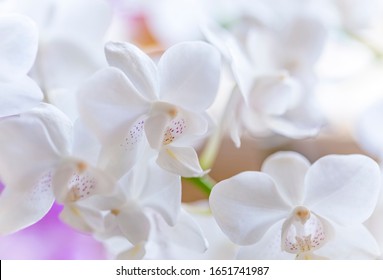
[[210, 152], [205, 183]]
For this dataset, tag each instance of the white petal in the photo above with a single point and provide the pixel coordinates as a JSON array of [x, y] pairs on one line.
[[18, 46], [74, 181], [268, 248], [85, 144], [311, 235], [155, 127], [304, 40], [354, 242], [84, 21], [274, 94], [180, 160], [32, 144], [305, 120], [292, 128], [74, 217], [170, 124], [137, 66], [369, 130], [120, 153], [246, 206], [21, 207], [134, 224], [162, 193], [152, 187], [135, 253], [343, 188], [18, 96], [189, 75], [374, 223], [109, 103], [243, 70], [187, 234], [288, 170], [65, 63]]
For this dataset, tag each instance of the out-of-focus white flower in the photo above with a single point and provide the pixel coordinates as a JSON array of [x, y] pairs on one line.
[[143, 217], [18, 48], [37, 165], [180, 241], [70, 45], [166, 103], [369, 130], [123, 213], [357, 14], [30, 146], [303, 206], [273, 68]]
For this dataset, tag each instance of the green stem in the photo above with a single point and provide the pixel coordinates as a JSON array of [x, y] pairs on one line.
[[205, 183], [210, 152]]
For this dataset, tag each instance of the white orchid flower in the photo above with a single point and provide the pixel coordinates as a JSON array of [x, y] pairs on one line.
[[123, 212], [70, 45], [166, 103], [37, 166], [30, 145], [273, 71], [305, 206], [18, 48]]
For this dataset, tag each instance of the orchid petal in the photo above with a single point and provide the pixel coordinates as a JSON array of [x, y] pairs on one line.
[[155, 127], [71, 216], [136, 65], [180, 160], [288, 170], [65, 63], [302, 121], [298, 238], [369, 132], [343, 188], [274, 94], [354, 242], [137, 252], [134, 224], [18, 96], [246, 206], [190, 75], [268, 248], [187, 234], [50, 141], [74, 181], [304, 40], [121, 152], [109, 103], [162, 193], [18, 46], [85, 20], [154, 188], [20, 208], [170, 124], [293, 129]]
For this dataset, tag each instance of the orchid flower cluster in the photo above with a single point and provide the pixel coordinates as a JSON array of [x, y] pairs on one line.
[[112, 132]]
